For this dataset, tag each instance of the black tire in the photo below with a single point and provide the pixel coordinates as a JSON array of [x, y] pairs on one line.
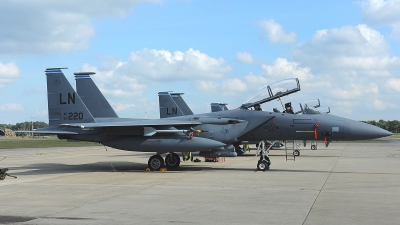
[[262, 165], [172, 160], [2, 176], [296, 152], [267, 163], [313, 147], [156, 162]]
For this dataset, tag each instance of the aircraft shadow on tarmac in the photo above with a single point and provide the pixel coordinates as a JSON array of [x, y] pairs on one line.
[[120, 166], [57, 168], [124, 166]]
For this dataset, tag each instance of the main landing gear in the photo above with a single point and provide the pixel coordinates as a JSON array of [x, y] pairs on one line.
[[156, 162]]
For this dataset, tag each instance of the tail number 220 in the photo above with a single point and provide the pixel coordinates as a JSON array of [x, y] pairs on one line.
[[75, 116]]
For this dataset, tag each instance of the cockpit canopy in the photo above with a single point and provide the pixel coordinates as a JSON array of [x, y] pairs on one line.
[[313, 107], [273, 91], [216, 107]]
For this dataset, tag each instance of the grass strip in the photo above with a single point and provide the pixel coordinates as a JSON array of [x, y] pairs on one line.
[[11, 143]]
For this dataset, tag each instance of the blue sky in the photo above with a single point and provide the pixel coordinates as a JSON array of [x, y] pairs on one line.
[[346, 53]]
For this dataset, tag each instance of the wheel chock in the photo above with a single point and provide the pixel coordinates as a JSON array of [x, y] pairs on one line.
[[148, 169], [163, 169]]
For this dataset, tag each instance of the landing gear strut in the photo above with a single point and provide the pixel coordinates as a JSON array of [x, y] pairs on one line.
[[264, 162]]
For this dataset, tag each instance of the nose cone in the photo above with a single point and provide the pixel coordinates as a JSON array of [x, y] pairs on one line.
[[355, 130]]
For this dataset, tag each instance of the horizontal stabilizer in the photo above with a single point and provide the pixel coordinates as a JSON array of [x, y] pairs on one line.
[[45, 131]]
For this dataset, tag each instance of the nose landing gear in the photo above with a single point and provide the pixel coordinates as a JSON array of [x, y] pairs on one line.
[[264, 162]]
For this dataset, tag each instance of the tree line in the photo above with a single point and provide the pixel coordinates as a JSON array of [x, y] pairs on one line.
[[23, 126], [390, 125]]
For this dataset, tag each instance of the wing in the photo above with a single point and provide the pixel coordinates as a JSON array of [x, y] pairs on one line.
[[134, 123]]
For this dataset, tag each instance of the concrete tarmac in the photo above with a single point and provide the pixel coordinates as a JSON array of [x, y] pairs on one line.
[[346, 183]]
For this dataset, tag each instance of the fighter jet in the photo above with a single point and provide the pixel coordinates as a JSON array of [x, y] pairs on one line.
[[264, 125], [69, 118]]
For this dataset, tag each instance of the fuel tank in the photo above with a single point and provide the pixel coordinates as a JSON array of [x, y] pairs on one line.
[[163, 144], [226, 151]]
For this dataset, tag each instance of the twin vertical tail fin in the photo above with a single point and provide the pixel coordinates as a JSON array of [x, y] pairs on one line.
[[177, 97], [172, 104], [64, 104], [92, 96]]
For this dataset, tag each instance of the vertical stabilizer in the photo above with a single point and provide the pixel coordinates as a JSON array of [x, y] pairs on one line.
[[168, 106], [64, 104], [92, 97], [177, 97]]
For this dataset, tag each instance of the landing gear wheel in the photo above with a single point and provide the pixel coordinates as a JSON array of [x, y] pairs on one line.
[[263, 165], [156, 162], [296, 152], [2, 176], [313, 147], [172, 160]]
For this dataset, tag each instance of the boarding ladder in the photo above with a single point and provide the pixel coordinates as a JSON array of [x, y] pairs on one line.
[[295, 147]]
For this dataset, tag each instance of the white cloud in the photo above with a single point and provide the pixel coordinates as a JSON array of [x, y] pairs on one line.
[[351, 64], [256, 82], [147, 68], [244, 57], [347, 93], [276, 34], [348, 48], [164, 66], [378, 104], [373, 88], [393, 83], [250, 83], [383, 13], [8, 73], [11, 107], [233, 87], [122, 107], [349, 59], [56, 26], [207, 86], [281, 69]]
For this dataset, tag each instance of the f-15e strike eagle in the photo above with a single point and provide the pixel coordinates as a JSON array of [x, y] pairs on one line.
[[86, 115]]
